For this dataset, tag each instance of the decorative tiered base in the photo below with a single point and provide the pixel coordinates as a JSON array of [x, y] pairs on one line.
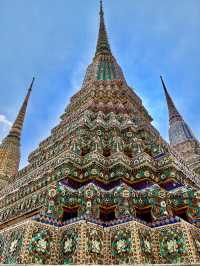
[[84, 242]]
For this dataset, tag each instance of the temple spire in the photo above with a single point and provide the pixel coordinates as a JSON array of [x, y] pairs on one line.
[[104, 66], [179, 131], [10, 146], [174, 115], [18, 124], [103, 46]]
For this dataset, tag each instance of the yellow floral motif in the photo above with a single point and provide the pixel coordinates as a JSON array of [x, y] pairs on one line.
[[13, 245], [42, 245], [197, 243], [96, 246], [147, 245], [121, 244], [171, 246], [68, 245]]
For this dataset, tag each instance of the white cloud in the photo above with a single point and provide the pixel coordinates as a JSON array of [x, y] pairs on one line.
[[5, 121], [5, 125]]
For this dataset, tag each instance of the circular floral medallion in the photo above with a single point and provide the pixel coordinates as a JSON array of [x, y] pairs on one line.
[[14, 247], [145, 243], [172, 246], [39, 246], [69, 245], [122, 246], [94, 242]]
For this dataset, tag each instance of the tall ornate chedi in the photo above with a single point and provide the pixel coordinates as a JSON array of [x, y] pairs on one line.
[[181, 137], [10, 146], [104, 187]]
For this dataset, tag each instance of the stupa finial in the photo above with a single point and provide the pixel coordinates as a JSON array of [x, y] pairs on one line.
[[101, 7], [103, 46], [173, 112]]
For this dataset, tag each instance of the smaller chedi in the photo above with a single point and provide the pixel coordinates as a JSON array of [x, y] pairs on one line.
[[10, 146], [104, 187], [181, 137]]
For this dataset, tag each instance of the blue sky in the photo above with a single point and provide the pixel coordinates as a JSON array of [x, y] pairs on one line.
[[55, 41]]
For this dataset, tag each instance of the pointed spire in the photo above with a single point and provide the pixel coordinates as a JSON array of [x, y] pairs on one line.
[[104, 66], [179, 131], [103, 46], [18, 124], [174, 115], [101, 8], [10, 146]]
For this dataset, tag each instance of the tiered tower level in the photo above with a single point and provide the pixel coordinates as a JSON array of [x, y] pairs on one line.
[[104, 187]]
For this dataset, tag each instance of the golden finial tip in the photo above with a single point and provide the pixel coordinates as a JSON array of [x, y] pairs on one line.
[[101, 7], [30, 88]]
